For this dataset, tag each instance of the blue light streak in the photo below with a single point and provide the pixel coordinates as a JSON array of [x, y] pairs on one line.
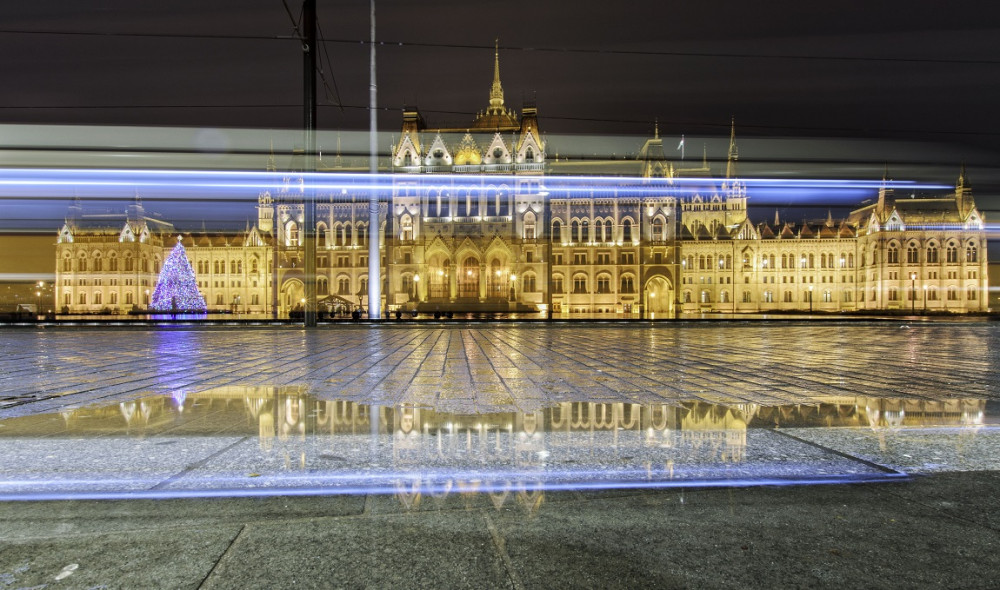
[[61, 182], [392, 484]]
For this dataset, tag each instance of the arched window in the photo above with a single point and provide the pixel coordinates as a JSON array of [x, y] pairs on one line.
[[584, 231], [574, 234], [556, 230], [706, 297], [912, 256], [580, 284], [658, 227], [972, 293], [971, 254], [627, 230], [406, 228], [529, 226], [724, 298], [529, 155], [892, 254], [292, 234], [932, 254], [952, 254], [529, 283], [322, 286], [603, 283], [343, 286], [768, 297], [321, 235], [627, 284]]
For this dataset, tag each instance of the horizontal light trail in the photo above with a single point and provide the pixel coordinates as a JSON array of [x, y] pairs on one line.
[[57, 180], [447, 486]]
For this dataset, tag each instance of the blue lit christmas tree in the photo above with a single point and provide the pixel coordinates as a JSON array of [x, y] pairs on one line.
[[176, 289]]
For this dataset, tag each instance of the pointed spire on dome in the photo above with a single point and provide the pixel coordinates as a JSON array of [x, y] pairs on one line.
[[496, 91], [733, 152], [271, 166], [884, 192], [656, 128]]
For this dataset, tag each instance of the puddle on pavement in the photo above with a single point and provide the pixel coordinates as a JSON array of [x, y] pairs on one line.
[[261, 440]]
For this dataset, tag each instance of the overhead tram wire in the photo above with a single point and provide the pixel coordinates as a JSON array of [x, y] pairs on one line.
[[572, 50], [329, 64]]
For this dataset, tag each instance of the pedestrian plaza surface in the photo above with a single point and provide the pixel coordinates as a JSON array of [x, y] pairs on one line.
[[516, 455]]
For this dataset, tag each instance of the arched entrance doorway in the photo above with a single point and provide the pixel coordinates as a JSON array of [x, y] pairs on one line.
[[292, 295], [658, 298], [468, 279]]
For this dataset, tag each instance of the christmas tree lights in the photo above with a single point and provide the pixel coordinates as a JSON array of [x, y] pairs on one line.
[[176, 289]]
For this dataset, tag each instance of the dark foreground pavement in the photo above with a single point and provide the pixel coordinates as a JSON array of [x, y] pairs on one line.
[[939, 531]]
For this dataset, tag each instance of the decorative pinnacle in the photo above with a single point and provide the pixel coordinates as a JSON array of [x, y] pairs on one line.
[[496, 92]]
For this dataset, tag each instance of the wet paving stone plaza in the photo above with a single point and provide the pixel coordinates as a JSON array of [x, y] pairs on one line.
[[481, 367], [504, 455]]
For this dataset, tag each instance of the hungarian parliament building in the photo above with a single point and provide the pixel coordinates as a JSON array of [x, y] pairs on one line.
[[509, 245]]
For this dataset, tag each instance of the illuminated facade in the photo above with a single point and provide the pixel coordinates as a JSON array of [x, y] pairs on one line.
[[512, 245]]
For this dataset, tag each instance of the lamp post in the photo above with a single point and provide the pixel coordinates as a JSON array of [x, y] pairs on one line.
[[925, 299], [416, 288], [913, 292], [810, 298]]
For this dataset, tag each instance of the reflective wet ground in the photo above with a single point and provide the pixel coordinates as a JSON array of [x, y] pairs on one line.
[[511, 411]]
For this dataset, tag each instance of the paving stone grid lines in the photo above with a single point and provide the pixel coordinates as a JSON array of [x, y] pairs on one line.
[[502, 367]]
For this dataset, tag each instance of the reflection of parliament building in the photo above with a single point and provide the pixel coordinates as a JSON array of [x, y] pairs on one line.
[[510, 245]]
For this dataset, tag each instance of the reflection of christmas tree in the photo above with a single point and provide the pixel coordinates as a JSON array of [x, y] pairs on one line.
[[176, 289]]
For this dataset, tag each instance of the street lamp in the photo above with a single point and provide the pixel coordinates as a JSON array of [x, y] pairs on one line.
[[810, 298], [416, 287], [925, 299], [913, 292]]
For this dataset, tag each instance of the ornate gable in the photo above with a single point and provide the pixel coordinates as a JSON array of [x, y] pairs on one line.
[[498, 152], [407, 152], [530, 149], [65, 235], [468, 153], [438, 154], [894, 222], [747, 231]]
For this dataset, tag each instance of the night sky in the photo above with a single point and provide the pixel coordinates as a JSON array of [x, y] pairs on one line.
[[920, 73]]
